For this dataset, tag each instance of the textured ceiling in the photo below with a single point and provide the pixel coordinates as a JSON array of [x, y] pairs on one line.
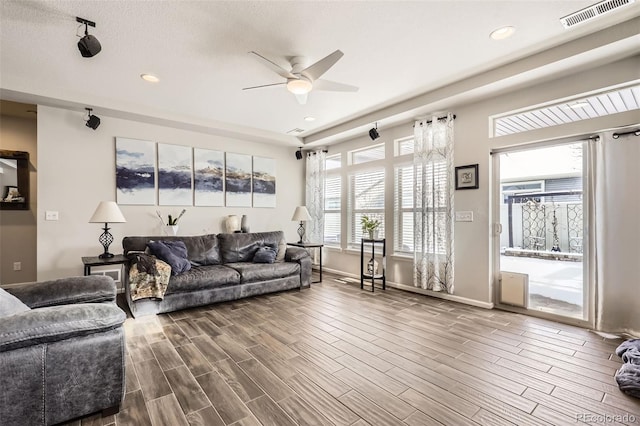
[[393, 50]]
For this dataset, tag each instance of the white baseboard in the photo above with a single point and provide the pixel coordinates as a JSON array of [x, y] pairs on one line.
[[445, 296]]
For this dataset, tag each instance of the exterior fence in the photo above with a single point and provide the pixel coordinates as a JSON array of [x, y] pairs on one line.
[[542, 225]]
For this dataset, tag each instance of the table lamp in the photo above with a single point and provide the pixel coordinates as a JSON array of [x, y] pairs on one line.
[[301, 214], [107, 212]]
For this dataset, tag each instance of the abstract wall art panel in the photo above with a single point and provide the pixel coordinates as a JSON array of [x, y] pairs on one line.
[[238, 180], [174, 175], [135, 172], [208, 177], [264, 182]]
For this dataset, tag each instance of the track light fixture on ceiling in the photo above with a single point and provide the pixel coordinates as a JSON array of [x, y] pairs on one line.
[[373, 133], [88, 45], [93, 121], [299, 154]]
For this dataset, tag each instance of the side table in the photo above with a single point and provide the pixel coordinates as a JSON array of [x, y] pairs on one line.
[[311, 245], [373, 274], [91, 261]]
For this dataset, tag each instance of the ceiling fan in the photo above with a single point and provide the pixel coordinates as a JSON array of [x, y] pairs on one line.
[[300, 81]]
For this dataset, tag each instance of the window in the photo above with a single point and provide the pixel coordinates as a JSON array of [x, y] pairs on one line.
[[403, 207], [606, 102], [366, 197], [437, 183], [333, 162], [332, 204], [405, 146], [372, 153]]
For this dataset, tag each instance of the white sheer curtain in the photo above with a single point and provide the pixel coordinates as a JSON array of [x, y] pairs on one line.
[[316, 175], [433, 203], [615, 223]]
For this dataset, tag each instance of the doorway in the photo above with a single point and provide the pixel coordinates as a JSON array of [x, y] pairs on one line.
[[542, 215]]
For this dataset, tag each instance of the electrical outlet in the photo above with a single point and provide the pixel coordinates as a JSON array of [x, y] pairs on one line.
[[50, 215], [17, 266]]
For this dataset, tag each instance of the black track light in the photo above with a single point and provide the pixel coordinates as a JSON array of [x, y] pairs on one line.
[[299, 154], [93, 121], [373, 133], [88, 45]]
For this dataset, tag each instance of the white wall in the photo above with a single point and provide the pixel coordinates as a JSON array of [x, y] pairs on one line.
[[77, 170], [473, 241], [18, 227]]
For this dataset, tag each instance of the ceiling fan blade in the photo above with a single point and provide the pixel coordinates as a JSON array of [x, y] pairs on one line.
[[273, 66], [302, 98], [264, 85], [316, 70], [333, 86]]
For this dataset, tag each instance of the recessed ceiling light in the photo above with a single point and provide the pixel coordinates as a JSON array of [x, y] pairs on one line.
[[502, 33], [150, 78], [309, 118]]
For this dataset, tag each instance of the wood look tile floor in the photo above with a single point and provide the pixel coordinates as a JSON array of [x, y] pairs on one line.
[[336, 355]]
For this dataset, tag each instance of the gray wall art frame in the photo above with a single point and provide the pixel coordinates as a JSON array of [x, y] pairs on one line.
[[467, 177], [238, 174], [208, 172], [135, 172], [264, 182], [175, 175]]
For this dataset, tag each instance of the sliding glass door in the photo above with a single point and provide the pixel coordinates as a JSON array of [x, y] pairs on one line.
[[541, 235]]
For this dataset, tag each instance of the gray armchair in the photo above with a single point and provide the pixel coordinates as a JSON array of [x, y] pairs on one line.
[[64, 358]]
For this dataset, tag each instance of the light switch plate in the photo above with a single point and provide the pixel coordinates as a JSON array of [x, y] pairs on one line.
[[465, 216]]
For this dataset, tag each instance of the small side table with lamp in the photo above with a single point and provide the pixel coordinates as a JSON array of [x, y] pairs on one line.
[[107, 212], [301, 214]]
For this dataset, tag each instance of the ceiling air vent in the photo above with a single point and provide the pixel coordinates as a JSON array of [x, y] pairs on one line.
[[295, 131], [592, 12]]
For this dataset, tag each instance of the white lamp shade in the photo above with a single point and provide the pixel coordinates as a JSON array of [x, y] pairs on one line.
[[301, 214], [107, 212], [299, 87]]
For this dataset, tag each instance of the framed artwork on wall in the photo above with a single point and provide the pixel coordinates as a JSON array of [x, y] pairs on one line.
[[467, 177], [175, 175], [238, 180], [264, 182], [208, 172], [135, 172]]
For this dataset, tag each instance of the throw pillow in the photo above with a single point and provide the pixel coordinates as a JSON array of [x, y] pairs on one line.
[[264, 254], [175, 254], [10, 305]]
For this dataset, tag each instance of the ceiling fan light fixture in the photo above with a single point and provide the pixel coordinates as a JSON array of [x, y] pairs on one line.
[[299, 87]]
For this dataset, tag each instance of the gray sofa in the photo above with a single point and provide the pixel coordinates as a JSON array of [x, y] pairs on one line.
[[64, 357], [222, 270]]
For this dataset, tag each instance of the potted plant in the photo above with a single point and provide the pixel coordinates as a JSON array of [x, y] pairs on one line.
[[370, 226]]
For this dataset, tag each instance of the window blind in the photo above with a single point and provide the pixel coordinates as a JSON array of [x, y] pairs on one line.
[[332, 205], [366, 197]]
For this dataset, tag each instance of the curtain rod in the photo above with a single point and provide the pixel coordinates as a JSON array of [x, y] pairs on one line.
[[439, 118], [315, 152], [631, 132]]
